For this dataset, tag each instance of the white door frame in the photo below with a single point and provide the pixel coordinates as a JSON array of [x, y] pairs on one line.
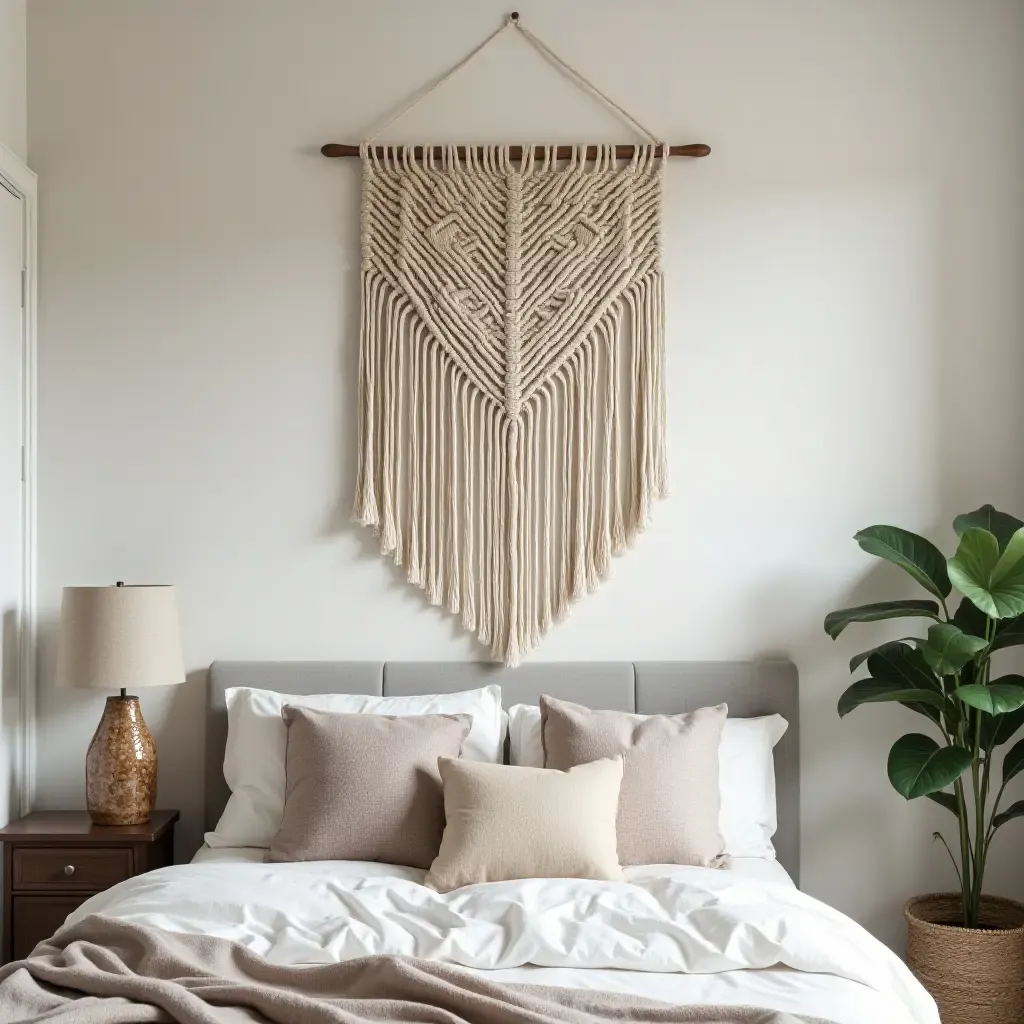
[[22, 182]]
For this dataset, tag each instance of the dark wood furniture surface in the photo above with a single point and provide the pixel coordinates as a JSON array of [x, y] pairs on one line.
[[53, 861]]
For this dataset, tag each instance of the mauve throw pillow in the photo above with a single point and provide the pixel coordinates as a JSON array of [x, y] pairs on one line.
[[669, 801], [365, 787]]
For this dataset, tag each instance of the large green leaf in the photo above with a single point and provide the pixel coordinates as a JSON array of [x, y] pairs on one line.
[[971, 568], [1009, 633], [1008, 578], [955, 713], [947, 800], [992, 580], [1013, 763], [836, 622], [997, 729], [948, 649], [900, 665], [999, 524], [927, 710], [919, 766], [970, 618], [898, 662], [858, 659], [995, 699], [1015, 810], [915, 555], [968, 673], [873, 691]]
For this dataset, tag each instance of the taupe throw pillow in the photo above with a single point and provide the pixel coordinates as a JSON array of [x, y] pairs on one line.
[[507, 822], [365, 787], [669, 801]]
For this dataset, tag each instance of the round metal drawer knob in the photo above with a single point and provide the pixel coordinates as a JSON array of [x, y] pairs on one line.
[[69, 870]]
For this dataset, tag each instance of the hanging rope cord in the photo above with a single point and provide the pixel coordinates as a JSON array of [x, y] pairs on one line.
[[546, 52]]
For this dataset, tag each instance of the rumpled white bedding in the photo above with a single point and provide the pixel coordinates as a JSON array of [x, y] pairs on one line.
[[685, 935]]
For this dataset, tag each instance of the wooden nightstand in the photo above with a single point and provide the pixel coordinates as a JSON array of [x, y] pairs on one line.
[[53, 861]]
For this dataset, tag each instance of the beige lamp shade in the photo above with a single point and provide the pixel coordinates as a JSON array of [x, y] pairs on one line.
[[119, 637]]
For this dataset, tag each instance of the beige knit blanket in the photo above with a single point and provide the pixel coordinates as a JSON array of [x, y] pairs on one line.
[[103, 971]]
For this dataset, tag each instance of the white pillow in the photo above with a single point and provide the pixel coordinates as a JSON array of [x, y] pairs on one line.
[[254, 757], [746, 780]]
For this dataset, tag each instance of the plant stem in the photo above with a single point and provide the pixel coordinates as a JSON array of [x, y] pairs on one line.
[[983, 838], [942, 839], [995, 810], [980, 778], [967, 874], [944, 717], [979, 823]]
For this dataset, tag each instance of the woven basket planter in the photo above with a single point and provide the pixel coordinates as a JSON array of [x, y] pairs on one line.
[[976, 975]]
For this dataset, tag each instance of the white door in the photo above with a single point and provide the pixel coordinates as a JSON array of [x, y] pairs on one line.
[[11, 425]]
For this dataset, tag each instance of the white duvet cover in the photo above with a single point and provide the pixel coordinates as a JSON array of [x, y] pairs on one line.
[[681, 934]]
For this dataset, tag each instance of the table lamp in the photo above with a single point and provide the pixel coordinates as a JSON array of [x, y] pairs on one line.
[[115, 638]]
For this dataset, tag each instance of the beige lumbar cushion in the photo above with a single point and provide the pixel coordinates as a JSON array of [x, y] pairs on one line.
[[505, 822], [365, 787], [669, 804]]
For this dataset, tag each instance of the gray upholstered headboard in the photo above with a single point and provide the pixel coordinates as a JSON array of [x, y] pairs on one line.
[[654, 687]]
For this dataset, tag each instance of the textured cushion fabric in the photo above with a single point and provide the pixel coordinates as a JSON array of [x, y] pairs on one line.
[[505, 822], [255, 752], [365, 787], [748, 817], [669, 803]]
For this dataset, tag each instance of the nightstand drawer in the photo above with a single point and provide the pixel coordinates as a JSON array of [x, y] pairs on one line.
[[35, 918], [69, 867]]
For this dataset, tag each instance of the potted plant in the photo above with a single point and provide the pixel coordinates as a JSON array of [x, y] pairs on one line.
[[967, 947]]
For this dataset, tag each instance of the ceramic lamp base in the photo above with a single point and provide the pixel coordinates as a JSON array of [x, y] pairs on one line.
[[120, 768]]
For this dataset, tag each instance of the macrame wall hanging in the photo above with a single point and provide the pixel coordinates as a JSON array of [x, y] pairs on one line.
[[511, 431]]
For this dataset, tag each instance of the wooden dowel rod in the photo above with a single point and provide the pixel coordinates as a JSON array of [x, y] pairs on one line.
[[695, 149]]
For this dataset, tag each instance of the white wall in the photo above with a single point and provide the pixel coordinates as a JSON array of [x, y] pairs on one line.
[[13, 110], [845, 279], [13, 103]]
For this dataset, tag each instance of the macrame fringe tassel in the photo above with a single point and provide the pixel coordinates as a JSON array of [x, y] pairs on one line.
[[504, 521]]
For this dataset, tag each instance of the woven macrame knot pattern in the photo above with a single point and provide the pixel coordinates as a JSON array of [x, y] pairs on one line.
[[511, 406]]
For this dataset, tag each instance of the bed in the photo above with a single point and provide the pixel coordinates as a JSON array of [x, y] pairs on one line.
[[691, 937]]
